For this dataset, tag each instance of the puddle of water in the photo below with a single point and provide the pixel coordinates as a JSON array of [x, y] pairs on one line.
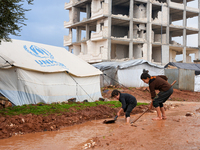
[[66, 138]]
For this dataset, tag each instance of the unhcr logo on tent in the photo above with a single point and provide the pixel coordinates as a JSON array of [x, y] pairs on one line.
[[47, 58]]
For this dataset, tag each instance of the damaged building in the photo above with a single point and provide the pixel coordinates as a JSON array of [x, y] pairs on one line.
[[130, 29]]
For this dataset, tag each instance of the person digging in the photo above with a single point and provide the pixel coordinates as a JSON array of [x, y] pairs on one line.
[[128, 103], [158, 83]]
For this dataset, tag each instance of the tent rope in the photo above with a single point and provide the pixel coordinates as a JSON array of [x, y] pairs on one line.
[[105, 80], [124, 86], [80, 86], [6, 61], [77, 91]]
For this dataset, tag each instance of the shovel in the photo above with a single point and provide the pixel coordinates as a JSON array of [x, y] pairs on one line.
[[110, 121]]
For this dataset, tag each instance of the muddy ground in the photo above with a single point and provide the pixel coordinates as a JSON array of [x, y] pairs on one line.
[[143, 94], [179, 132], [23, 124]]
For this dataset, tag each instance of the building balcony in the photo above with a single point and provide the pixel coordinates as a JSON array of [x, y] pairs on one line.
[[69, 5], [176, 5], [68, 24], [100, 11], [94, 58], [192, 9], [68, 40], [99, 35]]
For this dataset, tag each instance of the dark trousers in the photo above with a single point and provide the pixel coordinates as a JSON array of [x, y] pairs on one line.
[[162, 97], [129, 108]]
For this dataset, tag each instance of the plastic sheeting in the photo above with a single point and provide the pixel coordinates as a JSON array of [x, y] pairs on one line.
[[30, 87], [127, 73], [188, 66], [124, 64], [130, 77]]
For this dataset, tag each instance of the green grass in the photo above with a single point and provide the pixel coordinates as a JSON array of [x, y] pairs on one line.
[[46, 109]]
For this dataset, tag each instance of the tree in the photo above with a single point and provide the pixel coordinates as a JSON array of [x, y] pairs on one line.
[[12, 17]]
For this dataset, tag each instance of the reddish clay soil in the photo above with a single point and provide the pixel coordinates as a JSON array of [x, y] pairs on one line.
[[23, 124], [144, 94]]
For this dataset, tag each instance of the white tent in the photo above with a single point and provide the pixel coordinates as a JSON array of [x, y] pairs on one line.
[[31, 73], [127, 73]]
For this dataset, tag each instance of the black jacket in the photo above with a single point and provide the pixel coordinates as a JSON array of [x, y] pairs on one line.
[[127, 99]]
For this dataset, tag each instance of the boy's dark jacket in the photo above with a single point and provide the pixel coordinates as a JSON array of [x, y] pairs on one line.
[[127, 99]]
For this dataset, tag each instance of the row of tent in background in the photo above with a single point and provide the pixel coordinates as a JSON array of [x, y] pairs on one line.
[[31, 73], [128, 73]]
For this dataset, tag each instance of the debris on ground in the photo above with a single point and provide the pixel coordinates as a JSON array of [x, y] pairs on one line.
[[189, 114], [198, 110], [91, 144], [4, 102], [177, 120]]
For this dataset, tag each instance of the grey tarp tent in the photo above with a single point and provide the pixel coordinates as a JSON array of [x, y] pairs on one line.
[[127, 72], [189, 66]]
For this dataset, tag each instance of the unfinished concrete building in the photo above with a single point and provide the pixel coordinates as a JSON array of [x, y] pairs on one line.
[[130, 29]]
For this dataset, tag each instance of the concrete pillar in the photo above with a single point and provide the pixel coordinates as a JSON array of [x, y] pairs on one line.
[[165, 54], [199, 30], [165, 48], [88, 10], [76, 14], [70, 32], [184, 31], [87, 32], [109, 28], [78, 35], [170, 18], [131, 49], [168, 21], [149, 29], [131, 29]]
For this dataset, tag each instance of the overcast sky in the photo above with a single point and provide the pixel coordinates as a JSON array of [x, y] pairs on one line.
[[45, 23]]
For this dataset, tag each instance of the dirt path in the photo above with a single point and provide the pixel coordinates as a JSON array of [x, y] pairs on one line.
[[178, 132]]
